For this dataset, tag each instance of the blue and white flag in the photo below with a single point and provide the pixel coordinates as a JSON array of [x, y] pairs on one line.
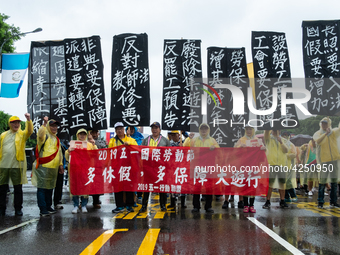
[[14, 67]]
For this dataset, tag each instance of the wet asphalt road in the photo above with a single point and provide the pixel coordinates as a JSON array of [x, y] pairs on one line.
[[303, 226]]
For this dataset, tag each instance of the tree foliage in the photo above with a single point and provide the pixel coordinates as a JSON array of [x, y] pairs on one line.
[[6, 31], [4, 117], [310, 125]]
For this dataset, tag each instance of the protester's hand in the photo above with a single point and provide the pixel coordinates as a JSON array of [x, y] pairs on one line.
[[126, 143], [212, 147], [263, 148], [328, 130], [71, 149], [61, 169], [291, 155], [279, 139], [45, 120], [28, 116], [243, 145]]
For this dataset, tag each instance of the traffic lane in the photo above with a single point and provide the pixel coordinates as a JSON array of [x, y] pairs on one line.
[[226, 230], [200, 234]]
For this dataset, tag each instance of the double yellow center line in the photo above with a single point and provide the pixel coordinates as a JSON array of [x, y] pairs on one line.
[[147, 246]]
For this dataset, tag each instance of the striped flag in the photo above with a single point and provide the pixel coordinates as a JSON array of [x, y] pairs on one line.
[[14, 67]]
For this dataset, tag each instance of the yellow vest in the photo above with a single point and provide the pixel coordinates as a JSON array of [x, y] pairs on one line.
[[49, 148]]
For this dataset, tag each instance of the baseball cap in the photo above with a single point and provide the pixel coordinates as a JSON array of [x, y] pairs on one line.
[[155, 124], [174, 132], [14, 118], [51, 122], [118, 124]]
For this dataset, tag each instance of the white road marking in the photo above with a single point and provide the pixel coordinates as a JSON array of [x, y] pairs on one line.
[[275, 236], [17, 226]]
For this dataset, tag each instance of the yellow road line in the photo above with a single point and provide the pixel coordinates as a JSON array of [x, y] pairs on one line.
[[119, 215], [159, 215], [149, 242], [142, 215], [318, 212], [94, 247], [130, 216], [312, 206]]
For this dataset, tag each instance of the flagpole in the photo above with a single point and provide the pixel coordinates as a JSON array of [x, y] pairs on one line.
[[34, 31]]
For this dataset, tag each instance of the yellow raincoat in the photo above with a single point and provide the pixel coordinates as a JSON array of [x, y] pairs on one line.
[[327, 153], [327, 147], [291, 156], [207, 141], [307, 156], [187, 142], [276, 152], [13, 156], [113, 142], [45, 177], [243, 139], [277, 158]]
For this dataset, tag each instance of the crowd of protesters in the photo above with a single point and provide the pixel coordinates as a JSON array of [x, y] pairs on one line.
[[52, 156]]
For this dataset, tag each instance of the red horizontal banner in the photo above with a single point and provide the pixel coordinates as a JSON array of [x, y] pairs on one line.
[[183, 170]]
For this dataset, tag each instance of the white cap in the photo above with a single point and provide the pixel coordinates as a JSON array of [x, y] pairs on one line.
[[119, 124]]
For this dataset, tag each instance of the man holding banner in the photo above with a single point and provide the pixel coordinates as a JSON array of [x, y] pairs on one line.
[[155, 140], [122, 139]]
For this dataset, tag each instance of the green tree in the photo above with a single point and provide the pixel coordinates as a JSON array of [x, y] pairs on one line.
[[310, 125], [6, 31], [4, 117]]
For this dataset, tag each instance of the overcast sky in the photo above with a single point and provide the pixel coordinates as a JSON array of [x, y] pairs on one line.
[[216, 23]]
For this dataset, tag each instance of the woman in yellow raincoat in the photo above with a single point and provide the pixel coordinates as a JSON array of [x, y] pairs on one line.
[[242, 142], [13, 161], [81, 136], [203, 140], [49, 162]]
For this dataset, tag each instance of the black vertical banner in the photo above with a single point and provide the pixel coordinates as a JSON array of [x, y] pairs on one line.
[[65, 82], [238, 75], [172, 85], [58, 88], [182, 78], [226, 66], [272, 70], [46, 93], [85, 86], [321, 63], [130, 92]]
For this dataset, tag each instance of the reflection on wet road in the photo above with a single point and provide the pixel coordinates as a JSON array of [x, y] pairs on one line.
[[301, 228]]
